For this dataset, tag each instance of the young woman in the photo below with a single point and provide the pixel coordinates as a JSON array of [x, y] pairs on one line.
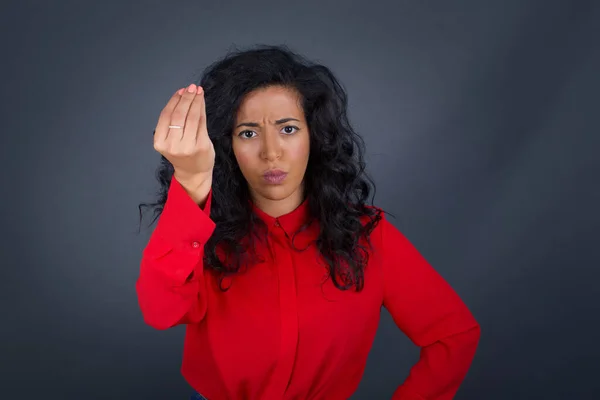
[[266, 249]]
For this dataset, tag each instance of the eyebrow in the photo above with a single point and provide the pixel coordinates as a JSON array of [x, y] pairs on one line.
[[278, 122]]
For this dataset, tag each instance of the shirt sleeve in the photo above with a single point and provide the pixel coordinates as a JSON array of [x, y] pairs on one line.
[[432, 315], [170, 286]]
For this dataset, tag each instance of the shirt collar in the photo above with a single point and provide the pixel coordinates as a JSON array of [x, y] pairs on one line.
[[290, 222]]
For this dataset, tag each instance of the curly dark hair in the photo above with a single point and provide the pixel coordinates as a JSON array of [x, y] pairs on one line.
[[336, 182]]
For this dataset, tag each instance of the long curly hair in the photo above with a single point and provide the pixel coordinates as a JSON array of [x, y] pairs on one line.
[[336, 183]]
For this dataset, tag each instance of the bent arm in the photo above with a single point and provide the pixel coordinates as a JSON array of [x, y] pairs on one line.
[[432, 315], [170, 286]]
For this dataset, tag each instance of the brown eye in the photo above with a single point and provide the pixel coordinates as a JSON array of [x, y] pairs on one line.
[[288, 130], [246, 134]]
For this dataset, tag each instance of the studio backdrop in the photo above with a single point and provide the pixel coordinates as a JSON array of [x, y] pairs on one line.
[[481, 125]]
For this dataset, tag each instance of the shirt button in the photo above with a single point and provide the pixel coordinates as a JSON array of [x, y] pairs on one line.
[[277, 223], [195, 245]]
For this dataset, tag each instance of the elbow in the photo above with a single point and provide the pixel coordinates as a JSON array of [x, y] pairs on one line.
[[474, 333], [466, 343], [469, 336], [180, 314], [477, 335], [463, 343], [164, 308], [164, 312], [157, 323], [162, 319], [158, 312], [155, 317], [468, 332], [473, 337]]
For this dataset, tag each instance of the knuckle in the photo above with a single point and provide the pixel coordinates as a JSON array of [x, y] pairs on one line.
[[188, 151], [173, 149], [203, 146]]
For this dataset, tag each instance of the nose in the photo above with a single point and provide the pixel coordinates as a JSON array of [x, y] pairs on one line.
[[271, 146]]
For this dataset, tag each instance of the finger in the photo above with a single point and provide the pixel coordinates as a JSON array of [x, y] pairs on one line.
[[181, 110], [202, 133], [162, 127], [193, 117]]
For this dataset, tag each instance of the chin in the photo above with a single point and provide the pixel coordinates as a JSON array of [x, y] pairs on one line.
[[275, 192]]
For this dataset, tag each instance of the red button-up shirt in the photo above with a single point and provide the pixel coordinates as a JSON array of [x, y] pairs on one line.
[[282, 331]]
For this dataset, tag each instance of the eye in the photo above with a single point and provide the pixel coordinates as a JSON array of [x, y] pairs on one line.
[[246, 134], [290, 129]]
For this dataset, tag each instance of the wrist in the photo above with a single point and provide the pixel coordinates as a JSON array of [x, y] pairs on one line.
[[197, 186], [192, 180]]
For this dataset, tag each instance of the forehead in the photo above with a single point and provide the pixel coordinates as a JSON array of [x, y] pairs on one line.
[[270, 102]]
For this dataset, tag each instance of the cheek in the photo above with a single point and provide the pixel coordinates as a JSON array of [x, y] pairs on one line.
[[243, 157], [299, 152]]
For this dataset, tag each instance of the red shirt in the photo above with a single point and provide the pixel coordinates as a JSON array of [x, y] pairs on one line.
[[279, 332]]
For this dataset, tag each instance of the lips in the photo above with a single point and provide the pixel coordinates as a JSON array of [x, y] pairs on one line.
[[274, 176]]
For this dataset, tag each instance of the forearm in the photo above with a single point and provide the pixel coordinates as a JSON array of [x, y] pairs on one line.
[[196, 186], [171, 283], [441, 368], [165, 304]]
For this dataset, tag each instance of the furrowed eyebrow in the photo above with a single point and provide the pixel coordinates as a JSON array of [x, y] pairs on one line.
[[284, 120], [278, 122]]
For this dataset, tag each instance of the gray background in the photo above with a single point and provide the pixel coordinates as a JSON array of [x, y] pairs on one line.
[[481, 121]]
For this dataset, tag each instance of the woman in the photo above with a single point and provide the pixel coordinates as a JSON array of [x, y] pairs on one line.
[[266, 250]]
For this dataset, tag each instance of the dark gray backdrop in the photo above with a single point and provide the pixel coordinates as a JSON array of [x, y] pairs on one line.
[[481, 121]]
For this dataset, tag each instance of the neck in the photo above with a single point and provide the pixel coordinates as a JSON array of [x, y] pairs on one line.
[[277, 208]]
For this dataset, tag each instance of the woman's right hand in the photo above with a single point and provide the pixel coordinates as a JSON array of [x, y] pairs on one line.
[[188, 149]]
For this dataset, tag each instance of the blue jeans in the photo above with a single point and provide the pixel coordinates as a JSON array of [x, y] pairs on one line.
[[197, 396]]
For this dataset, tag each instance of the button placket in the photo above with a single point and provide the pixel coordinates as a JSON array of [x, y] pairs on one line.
[[288, 315], [279, 233]]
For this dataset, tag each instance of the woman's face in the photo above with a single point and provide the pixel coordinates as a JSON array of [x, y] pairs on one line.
[[271, 143]]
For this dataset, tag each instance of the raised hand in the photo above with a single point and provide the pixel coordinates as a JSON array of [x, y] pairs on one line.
[[182, 138]]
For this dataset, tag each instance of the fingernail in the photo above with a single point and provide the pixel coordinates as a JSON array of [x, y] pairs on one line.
[[180, 91], [199, 90], [191, 88]]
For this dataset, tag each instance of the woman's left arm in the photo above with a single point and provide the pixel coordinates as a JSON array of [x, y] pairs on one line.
[[432, 315]]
